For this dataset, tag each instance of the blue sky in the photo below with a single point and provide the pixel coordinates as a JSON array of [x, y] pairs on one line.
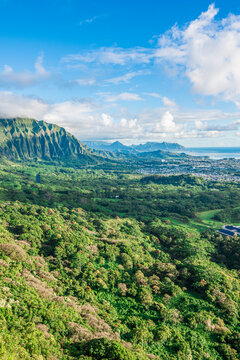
[[133, 71]]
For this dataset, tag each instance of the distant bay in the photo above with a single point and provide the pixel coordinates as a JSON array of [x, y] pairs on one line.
[[215, 152]]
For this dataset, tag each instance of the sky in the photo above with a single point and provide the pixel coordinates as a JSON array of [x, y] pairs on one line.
[[132, 71]]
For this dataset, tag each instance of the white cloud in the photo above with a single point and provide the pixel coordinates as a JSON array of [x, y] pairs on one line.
[[69, 113], [8, 77], [107, 120], [168, 102], [200, 125], [211, 134], [81, 118], [125, 96], [208, 51], [12, 105], [126, 77], [153, 94], [84, 82], [204, 126], [40, 70], [94, 121], [89, 20], [112, 55], [167, 124]]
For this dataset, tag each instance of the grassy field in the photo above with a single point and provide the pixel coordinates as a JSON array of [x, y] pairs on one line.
[[205, 221]]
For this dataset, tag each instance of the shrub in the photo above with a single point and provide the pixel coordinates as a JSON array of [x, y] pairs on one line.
[[105, 349]]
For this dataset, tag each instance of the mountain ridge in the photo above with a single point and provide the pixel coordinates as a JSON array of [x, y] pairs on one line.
[[117, 146], [30, 139], [25, 138]]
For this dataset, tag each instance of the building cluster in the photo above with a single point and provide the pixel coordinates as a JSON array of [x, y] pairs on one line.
[[230, 230], [225, 170]]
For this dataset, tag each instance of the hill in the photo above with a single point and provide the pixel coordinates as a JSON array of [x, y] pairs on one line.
[[95, 265], [30, 139], [160, 154], [155, 146], [116, 146]]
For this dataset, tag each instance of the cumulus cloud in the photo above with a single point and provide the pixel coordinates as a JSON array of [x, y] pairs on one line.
[[67, 113], [10, 78], [87, 120], [81, 118], [208, 52], [167, 124], [70, 114], [107, 120]]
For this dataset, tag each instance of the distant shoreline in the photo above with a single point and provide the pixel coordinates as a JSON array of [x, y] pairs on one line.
[[215, 152]]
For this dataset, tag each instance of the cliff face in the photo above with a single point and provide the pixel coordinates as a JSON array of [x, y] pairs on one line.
[[28, 138]]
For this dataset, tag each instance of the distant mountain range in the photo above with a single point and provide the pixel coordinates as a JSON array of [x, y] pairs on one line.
[[134, 149]]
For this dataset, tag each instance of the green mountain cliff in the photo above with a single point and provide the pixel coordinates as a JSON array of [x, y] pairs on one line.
[[29, 139]]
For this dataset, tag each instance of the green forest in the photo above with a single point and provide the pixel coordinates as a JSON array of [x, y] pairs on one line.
[[110, 264]]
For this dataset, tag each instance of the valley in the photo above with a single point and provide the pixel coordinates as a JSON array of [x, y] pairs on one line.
[[106, 257]]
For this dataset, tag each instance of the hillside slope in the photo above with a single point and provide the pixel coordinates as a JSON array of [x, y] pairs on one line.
[[28, 139], [98, 266]]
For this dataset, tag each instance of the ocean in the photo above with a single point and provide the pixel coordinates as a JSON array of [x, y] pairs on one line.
[[215, 152]]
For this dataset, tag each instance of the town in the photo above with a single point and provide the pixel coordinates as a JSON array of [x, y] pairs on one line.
[[216, 170]]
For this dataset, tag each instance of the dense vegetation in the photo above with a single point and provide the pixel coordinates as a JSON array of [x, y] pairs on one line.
[[228, 215], [112, 265]]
